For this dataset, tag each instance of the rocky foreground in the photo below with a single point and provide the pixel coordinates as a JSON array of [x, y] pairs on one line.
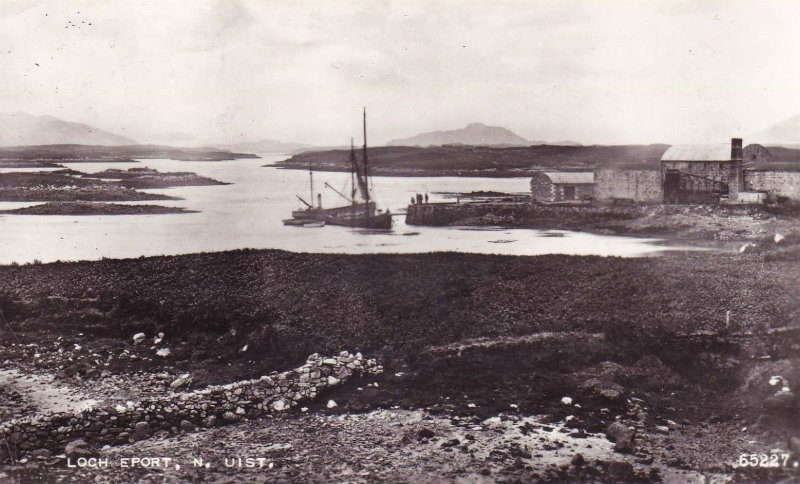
[[496, 368]]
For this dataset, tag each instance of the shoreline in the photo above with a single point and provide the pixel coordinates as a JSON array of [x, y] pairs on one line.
[[421, 173], [94, 208], [722, 226]]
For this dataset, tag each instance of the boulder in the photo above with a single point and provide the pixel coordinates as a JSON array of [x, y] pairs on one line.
[[138, 338], [607, 390], [781, 401], [77, 448], [622, 436], [141, 431], [620, 471], [181, 381], [794, 445], [41, 454], [186, 426]]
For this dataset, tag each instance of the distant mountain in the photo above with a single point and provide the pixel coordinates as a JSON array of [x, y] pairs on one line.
[[786, 132], [175, 138], [472, 134], [23, 129], [266, 146]]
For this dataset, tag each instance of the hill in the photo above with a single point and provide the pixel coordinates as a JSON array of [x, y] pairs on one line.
[[266, 146], [472, 134], [785, 132], [479, 161], [23, 129]]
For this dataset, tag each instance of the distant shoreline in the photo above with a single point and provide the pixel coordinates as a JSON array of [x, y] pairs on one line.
[[94, 208], [421, 172]]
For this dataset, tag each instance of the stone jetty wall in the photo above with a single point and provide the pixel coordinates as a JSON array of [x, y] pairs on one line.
[[209, 407], [531, 214], [447, 213]]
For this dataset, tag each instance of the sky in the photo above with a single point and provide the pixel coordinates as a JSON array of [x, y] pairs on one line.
[[604, 72]]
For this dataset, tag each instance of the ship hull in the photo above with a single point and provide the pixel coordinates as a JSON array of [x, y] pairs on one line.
[[322, 213], [364, 221]]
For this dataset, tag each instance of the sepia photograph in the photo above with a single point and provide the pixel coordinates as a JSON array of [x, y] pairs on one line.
[[399, 241]]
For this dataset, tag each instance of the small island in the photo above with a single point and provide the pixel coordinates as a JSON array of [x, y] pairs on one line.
[[66, 186], [138, 178], [71, 192], [94, 208]]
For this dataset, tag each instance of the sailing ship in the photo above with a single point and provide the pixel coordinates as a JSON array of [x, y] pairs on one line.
[[361, 210]]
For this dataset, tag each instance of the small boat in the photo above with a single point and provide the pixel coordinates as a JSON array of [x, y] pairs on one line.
[[292, 221], [361, 211], [314, 224]]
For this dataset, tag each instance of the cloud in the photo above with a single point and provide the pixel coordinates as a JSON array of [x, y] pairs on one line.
[[597, 72]]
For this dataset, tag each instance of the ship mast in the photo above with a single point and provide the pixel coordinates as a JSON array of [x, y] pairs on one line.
[[353, 168], [311, 183], [366, 164]]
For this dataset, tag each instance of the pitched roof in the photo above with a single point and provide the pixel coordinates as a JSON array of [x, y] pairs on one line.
[[714, 152], [573, 177]]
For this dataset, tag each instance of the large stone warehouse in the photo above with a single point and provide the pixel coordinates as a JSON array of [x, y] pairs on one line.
[[721, 173]]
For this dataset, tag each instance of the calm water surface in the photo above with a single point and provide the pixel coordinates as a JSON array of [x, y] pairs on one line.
[[248, 214]]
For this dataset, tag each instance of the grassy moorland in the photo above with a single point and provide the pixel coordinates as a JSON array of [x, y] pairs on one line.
[[478, 160], [286, 305]]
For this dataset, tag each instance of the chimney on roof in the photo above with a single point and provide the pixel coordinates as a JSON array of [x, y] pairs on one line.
[[736, 149]]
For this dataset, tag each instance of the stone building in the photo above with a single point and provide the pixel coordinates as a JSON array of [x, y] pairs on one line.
[[560, 186], [703, 173], [712, 173], [631, 183], [777, 180], [687, 174]]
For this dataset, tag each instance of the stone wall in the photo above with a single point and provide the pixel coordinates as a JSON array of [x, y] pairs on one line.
[[782, 183], [214, 405], [581, 191], [543, 189], [448, 213], [568, 216], [626, 184]]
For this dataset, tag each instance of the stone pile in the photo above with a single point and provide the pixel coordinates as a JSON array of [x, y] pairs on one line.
[[211, 406]]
